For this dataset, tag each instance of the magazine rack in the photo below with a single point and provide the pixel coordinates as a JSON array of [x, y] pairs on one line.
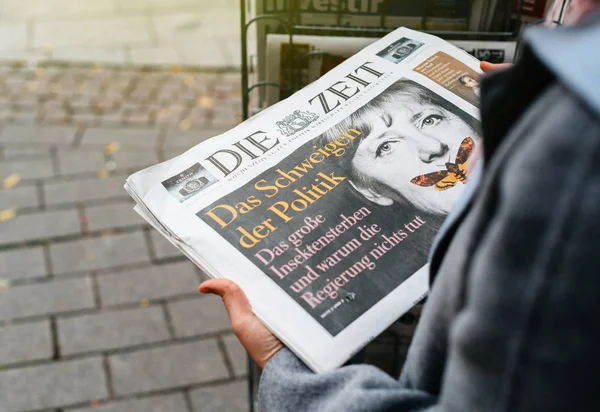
[[510, 31]]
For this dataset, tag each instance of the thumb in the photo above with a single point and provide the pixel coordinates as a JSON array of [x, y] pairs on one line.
[[234, 299]]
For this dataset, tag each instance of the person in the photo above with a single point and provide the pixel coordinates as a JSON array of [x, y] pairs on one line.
[[469, 82], [511, 321], [406, 131]]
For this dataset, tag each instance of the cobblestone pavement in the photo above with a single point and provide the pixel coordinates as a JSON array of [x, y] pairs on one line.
[[97, 311]]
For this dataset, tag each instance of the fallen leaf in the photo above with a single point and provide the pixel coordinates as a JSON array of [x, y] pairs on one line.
[[39, 72], [206, 101], [103, 173], [7, 214], [95, 404], [185, 124], [144, 303], [11, 181], [112, 147], [189, 80], [5, 283]]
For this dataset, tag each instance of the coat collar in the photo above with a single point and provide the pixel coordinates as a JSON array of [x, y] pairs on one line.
[[573, 55]]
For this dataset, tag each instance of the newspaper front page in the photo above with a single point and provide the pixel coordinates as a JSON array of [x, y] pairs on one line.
[[323, 207]]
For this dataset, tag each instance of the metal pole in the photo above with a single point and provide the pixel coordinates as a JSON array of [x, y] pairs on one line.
[[245, 97]]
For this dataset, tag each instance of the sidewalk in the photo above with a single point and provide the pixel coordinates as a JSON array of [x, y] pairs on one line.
[[97, 312], [202, 33]]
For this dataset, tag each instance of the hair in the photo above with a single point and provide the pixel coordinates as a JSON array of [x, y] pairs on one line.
[[381, 104], [461, 79]]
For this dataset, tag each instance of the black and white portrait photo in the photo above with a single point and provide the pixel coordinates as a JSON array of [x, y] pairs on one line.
[[406, 132]]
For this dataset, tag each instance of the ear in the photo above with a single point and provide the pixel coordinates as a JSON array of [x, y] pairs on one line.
[[372, 195]]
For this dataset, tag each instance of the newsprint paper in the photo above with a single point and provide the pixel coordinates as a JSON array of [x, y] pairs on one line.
[[323, 207]]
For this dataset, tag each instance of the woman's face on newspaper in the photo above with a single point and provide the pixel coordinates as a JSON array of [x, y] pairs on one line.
[[411, 140]]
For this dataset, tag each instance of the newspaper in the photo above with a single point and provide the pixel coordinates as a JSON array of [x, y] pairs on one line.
[[323, 207]]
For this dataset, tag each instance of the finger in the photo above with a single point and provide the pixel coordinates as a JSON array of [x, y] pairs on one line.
[[234, 299], [491, 67]]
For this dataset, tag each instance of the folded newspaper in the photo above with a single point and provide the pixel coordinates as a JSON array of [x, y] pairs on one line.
[[323, 207]]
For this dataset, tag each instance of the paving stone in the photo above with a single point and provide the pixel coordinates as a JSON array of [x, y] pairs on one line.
[[45, 298], [153, 56], [90, 32], [177, 139], [111, 330], [153, 282], [80, 161], [205, 314], [159, 5], [167, 367], [112, 216], [25, 342], [25, 152], [22, 263], [237, 355], [13, 35], [134, 137], [63, 8], [36, 226], [38, 134], [230, 397], [19, 197], [98, 253], [84, 190], [27, 169], [163, 403], [52, 385], [162, 247], [206, 24], [82, 54], [135, 160]]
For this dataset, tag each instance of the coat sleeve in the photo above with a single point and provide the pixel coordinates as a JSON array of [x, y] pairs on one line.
[[288, 385]]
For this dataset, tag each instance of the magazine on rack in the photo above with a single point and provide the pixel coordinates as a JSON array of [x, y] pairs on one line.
[[316, 55], [324, 206]]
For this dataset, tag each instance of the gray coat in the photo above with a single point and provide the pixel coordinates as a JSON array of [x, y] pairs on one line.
[[512, 321]]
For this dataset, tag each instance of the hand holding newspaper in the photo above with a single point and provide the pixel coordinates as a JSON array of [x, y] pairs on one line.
[[323, 207]]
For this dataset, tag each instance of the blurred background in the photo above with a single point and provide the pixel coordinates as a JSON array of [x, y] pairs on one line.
[[97, 311]]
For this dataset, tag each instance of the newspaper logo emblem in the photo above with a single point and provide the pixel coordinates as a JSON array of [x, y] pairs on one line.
[[295, 122], [189, 183]]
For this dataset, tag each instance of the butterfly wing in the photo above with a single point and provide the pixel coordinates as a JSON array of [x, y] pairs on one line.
[[464, 151], [429, 179], [449, 181]]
